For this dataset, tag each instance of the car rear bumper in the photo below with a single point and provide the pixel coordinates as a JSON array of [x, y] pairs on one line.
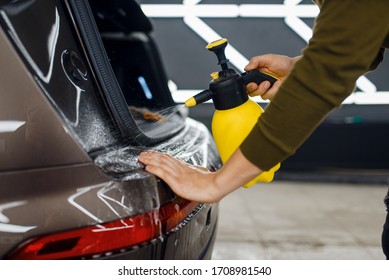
[[193, 239]]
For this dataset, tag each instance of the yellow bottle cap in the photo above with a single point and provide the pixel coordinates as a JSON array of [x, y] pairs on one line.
[[215, 75]]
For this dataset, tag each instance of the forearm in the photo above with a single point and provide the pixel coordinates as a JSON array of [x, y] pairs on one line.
[[236, 172]]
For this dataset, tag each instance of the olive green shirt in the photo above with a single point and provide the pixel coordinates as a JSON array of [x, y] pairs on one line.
[[348, 40]]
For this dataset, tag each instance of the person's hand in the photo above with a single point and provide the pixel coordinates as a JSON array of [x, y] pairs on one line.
[[276, 65], [197, 183], [187, 181]]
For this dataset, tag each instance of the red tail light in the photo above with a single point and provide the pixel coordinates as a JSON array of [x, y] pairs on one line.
[[108, 237]]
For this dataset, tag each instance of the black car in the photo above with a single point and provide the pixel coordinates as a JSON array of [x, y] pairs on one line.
[[83, 91]]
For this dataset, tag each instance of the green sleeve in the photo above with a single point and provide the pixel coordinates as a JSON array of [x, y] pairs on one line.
[[378, 59], [347, 39]]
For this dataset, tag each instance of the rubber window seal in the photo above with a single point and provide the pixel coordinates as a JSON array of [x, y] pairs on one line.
[[130, 131]]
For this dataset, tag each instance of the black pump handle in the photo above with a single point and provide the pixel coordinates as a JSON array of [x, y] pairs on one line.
[[257, 77]]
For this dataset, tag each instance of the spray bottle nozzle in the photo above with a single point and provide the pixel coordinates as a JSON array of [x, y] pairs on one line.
[[201, 97], [218, 48]]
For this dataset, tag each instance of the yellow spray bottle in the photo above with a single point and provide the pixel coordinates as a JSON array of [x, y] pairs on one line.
[[235, 113]]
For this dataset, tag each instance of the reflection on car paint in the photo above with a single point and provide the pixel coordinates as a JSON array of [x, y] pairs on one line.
[[115, 197], [51, 46], [10, 126], [4, 220], [78, 89], [15, 228], [80, 192]]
